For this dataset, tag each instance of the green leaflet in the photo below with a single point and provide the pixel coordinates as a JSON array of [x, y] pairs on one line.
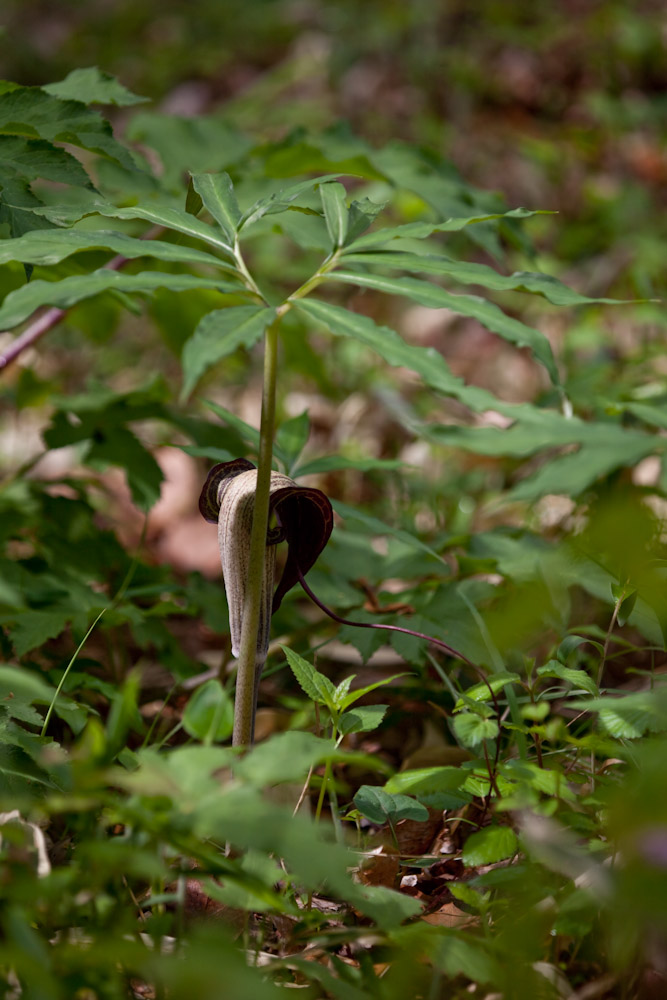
[[22, 302], [488, 314], [281, 200], [334, 203], [50, 246], [421, 230], [217, 193], [389, 345], [479, 274], [170, 218], [218, 334]]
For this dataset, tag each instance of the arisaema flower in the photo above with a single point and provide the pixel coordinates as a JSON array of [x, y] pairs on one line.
[[305, 520]]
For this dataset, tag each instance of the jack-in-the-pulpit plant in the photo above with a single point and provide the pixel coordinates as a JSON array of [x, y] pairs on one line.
[[306, 521]]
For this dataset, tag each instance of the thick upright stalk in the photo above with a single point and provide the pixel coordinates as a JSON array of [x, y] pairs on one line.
[[248, 669]]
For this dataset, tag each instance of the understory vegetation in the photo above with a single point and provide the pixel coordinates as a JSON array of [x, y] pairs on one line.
[[467, 800]]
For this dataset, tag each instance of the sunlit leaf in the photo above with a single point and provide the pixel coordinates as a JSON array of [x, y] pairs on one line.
[[493, 843]]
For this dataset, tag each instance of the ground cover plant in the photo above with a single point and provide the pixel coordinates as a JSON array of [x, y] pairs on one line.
[[468, 803]]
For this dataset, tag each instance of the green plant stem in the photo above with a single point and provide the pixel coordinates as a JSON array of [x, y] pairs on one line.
[[67, 670], [246, 687]]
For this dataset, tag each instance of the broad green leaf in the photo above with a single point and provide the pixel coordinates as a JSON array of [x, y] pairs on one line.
[[482, 691], [21, 303], [427, 780], [316, 685], [219, 334], [493, 843], [487, 313], [334, 202], [426, 361], [472, 729], [578, 678], [23, 160], [24, 685], [50, 246], [92, 86], [33, 158], [631, 715], [118, 445], [217, 194], [19, 774], [378, 806], [34, 628], [209, 714], [35, 114], [362, 719], [421, 230], [468, 273]]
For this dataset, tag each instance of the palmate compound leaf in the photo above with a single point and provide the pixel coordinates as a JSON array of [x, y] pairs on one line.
[[21, 303], [485, 312], [219, 334]]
